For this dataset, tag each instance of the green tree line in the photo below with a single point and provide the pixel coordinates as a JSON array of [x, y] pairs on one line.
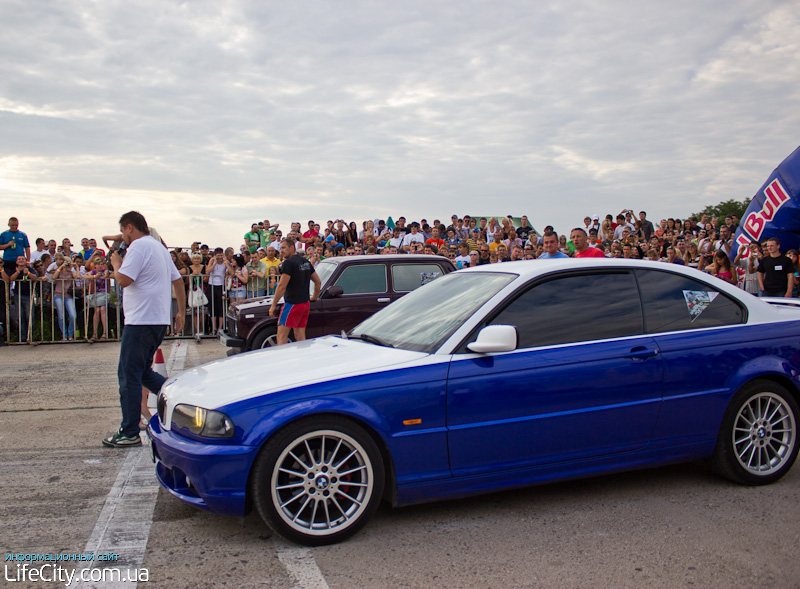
[[725, 208]]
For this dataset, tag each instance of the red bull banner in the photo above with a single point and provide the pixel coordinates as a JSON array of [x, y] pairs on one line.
[[775, 208]]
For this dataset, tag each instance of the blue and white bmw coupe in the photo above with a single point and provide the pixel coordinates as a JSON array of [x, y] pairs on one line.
[[485, 379]]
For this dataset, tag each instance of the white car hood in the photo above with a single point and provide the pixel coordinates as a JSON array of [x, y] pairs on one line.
[[261, 372]]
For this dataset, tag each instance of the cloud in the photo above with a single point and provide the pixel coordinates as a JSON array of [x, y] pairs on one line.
[[240, 110]]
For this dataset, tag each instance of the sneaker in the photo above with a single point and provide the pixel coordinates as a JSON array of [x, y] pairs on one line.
[[120, 440]]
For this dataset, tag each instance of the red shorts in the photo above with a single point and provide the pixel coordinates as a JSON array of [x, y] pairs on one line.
[[294, 315]]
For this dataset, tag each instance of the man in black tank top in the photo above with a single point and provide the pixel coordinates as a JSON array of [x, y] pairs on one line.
[[296, 274]]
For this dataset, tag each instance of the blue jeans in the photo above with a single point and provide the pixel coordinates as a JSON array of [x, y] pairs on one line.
[[22, 304], [138, 346], [66, 330]]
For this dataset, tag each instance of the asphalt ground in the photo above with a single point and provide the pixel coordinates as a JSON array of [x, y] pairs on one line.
[[672, 527]]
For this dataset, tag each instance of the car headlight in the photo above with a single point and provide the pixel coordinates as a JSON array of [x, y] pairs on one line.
[[202, 422]]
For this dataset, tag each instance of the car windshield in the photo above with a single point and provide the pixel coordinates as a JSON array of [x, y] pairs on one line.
[[423, 319], [324, 271]]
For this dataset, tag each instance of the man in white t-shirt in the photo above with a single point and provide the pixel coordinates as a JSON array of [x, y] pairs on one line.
[[147, 275], [414, 237], [276, 242], [396, 239], [463, 259], [40, 250]]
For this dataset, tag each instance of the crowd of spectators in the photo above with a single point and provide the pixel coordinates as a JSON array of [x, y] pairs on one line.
[[78, 282]]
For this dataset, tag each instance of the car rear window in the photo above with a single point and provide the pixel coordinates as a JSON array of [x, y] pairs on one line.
[[673, 302], [407, 277]]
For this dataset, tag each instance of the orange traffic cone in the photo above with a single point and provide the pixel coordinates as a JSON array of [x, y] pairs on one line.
[[158, 363], [161, 368]]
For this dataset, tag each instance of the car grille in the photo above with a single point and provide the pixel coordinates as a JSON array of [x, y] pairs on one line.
[[161, 407], [231, 326]]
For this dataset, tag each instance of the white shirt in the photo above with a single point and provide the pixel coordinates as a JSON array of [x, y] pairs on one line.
[[36, 255], [413, 237], [217, 274], [148, 300]]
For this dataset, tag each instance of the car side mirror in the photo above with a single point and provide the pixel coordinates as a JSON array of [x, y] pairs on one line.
[[333, 292], [495, 338]]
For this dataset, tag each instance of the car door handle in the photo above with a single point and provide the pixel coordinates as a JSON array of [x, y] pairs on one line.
[[642, 353], [384, 300]]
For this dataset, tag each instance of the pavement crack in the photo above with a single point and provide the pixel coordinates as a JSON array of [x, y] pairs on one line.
[[83, 408]]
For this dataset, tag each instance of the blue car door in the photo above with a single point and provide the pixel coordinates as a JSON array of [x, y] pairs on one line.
[[584, 381], [703, 344]]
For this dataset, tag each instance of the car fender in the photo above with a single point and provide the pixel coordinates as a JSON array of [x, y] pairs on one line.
[[360, 413], [410, 428], [770, 367], [255, 329], [283, 415]]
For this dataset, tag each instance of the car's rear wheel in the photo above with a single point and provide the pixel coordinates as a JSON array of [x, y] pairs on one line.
[[318, 481], [267, 338], [757, 442]]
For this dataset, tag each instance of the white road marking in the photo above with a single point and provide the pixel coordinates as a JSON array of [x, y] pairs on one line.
[[177, 357], [124, 523], [300, 565]]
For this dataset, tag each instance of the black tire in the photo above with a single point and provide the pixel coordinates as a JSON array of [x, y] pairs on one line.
[[318, 481], [757, 443], [267, 338]]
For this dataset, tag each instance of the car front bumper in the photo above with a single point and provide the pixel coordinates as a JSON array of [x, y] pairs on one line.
[[209, 476], [231, 342]]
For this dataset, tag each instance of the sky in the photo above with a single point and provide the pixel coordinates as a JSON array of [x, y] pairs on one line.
[[207, 116]]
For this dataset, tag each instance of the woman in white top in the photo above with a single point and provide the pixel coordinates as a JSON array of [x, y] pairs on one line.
[[744, 260], [492, 228], [217, 271]]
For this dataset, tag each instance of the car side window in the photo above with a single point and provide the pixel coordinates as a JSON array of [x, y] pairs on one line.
[[365, 279], [574, 308], [673, 302], [408, 277]]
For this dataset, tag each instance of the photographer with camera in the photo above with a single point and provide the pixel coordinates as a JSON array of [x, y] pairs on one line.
[[63, 275], [23, 276]]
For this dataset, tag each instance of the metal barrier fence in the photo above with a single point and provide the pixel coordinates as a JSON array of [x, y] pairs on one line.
[[60, 310], [90, 309]]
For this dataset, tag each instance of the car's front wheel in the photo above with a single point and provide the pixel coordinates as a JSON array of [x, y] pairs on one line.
[[267, 338], [757, 442], [318, 481]]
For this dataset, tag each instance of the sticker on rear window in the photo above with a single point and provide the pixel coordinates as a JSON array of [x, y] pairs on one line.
[[426, 277], [698, 301]]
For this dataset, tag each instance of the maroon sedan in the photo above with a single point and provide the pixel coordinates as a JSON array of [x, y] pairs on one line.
[[353, 288]]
